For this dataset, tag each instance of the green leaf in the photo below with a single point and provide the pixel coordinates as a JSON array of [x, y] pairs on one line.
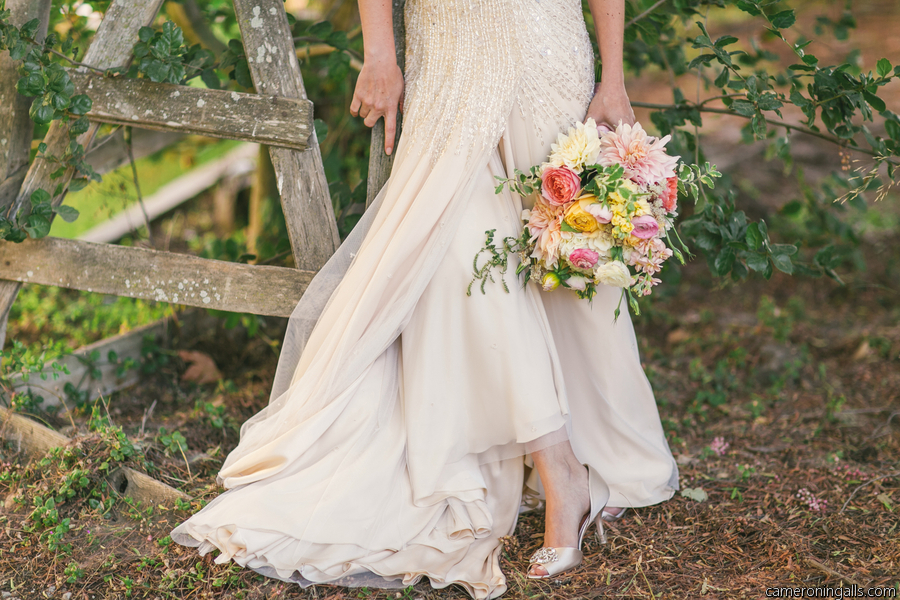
[[722, 80], [242, 74], [39, 197], [210, 79], [41, 113], [79, 126], [67, 213], [145, 34], [566, 227], [753, 236], [786, 249], [37, 226], [320, 30], [784, 19], [743, 108], [78, 184], [32, 85], [757, 262], [724, 261], [783, 263], [80, 105], [321, 128], [883, 68], [42, 147], [876, 102]]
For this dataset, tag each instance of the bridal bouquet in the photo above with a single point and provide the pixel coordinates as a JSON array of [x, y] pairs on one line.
[[605, 203]]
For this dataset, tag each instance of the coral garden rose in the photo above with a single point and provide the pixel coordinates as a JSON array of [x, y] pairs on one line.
[[615, 274], [579, 218], [669, 195], [645, 227], [559, 185], [583, 258]]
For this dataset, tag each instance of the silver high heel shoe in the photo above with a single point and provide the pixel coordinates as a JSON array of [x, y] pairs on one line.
[[611, 518], [556, 560]]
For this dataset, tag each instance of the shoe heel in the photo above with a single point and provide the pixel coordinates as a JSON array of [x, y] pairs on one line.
[[601, 533]]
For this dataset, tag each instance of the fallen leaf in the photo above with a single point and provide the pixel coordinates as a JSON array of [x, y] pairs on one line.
[[862, 351], [202, 368], [695, 494], [677, 336], [886, 500]]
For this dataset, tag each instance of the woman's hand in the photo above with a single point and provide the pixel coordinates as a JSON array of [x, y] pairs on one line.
[[378, 93], [610, 105]]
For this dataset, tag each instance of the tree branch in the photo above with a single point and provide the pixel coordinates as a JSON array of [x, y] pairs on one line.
[[777, 123], [645, 13]]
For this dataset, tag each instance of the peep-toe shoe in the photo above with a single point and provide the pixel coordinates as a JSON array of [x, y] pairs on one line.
[[557, 560]]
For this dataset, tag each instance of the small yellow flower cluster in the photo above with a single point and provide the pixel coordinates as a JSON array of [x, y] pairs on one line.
[[621, 220]]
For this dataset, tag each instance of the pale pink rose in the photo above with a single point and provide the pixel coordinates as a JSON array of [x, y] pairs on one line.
[[576, 282], [669, 194], [560, 185], [603, 214], [603, 129], [643, 157], [645, 227], [583, 258]]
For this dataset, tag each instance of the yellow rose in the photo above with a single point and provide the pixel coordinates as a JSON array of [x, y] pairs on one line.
[[578, 218]]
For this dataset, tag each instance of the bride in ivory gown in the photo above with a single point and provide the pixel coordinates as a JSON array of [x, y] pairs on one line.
[[408, 424]]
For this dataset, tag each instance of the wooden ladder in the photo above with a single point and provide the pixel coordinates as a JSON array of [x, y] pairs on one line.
[[279, 116]]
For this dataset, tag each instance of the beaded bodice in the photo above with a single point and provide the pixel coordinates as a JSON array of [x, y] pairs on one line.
[[469, 63]]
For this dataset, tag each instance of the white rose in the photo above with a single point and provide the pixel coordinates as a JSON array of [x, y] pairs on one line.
[[614, 274]]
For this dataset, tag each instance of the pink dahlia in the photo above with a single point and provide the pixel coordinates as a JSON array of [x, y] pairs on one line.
[[643, 157], [541, 216]]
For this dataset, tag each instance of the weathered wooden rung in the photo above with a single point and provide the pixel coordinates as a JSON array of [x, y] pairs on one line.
[[154, 275], [271, 120]]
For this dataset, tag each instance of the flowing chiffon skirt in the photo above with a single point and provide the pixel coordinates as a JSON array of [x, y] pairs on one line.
[[402, 413]]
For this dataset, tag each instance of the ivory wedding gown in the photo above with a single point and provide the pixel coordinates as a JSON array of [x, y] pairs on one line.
[[396, 441]]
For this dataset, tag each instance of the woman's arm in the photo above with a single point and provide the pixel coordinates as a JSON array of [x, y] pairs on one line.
[[610, 103], [379, 86]]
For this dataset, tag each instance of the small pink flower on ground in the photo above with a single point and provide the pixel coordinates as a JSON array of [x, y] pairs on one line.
[[814, 504], [643, 157], [560, 185], [645, 227], [583, 258], [719, 446]]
